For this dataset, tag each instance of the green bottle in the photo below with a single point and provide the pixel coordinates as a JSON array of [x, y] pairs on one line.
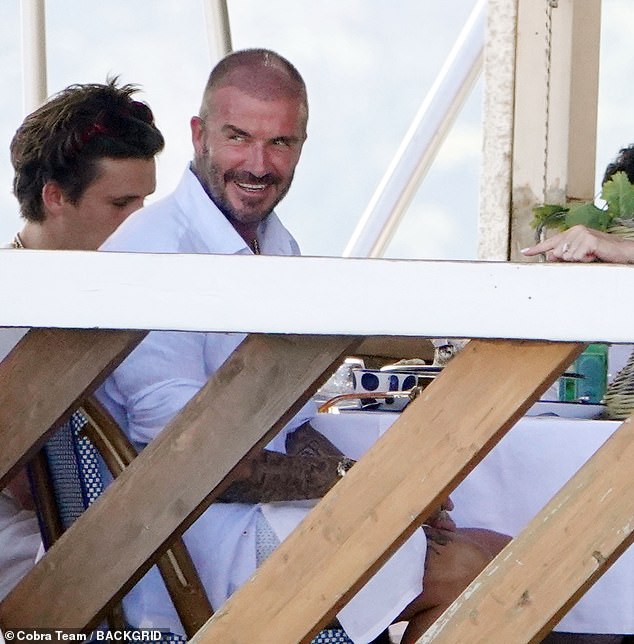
[[592, 365]]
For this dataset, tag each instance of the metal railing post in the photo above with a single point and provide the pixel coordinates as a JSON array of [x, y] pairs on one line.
[[218, 28], [33, 53]]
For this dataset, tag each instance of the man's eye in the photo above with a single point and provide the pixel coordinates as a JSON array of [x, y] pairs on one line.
[[236, 137], [281, 143]]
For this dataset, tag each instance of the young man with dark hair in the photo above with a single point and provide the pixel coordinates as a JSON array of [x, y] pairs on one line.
[[83, 162]]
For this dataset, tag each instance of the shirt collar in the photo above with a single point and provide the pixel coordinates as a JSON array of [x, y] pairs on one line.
[[217, 232]]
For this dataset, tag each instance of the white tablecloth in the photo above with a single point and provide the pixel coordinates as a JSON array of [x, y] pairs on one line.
[[507, 489], [520, 475]]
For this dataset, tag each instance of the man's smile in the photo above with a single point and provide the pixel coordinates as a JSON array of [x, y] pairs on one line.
[[252, 187]]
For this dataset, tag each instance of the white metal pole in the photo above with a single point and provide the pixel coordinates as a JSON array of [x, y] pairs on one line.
[[33, 53], [218, 28], [422, 141]]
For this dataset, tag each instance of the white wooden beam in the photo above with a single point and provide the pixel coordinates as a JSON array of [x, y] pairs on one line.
[[540, 115], [556, 88], [574, 63], [497, 131], [314, 295]]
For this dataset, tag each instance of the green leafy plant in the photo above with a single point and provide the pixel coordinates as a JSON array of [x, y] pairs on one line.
[[618, 195]]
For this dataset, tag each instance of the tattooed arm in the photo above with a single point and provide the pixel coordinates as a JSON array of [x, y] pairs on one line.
[[281, 477], [307, 441], [307, 471]]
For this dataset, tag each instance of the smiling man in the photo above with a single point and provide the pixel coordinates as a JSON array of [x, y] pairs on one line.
[[248, 139], [247, 142]]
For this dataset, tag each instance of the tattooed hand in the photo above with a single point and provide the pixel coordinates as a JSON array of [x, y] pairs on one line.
[[280, 477], [308, 471], [307, 441], [441, 519]]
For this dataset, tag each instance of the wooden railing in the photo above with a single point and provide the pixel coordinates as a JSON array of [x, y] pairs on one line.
[[306, 315]]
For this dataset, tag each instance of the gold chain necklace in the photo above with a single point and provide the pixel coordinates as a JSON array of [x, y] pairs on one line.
[[256, 246], [17, 241]]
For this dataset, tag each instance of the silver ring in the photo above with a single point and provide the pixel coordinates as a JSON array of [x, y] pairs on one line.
[[565, 248]]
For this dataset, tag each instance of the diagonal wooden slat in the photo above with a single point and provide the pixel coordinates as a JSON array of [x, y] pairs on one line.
[[44, 377], [176, 566], [264, 381], [571, 542], [427, 451]]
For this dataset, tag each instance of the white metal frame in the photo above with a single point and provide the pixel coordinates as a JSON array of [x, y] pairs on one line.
[[218, 28], [33, 18], [422, 141]]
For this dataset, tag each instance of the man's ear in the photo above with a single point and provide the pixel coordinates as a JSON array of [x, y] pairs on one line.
[[198, 133], [53, 198]]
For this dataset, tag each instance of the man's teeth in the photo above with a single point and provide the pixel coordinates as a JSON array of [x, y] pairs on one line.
[[252, 186]]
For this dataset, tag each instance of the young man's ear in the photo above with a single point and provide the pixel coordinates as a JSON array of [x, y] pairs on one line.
[[53, 198]]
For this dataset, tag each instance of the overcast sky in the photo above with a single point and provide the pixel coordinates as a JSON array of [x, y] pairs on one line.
[[368, 65]]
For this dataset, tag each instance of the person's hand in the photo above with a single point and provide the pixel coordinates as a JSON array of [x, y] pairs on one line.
[[307, 441], [582, 244], [440, 519]]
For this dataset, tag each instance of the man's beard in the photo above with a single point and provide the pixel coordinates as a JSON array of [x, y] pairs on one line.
[[215, 181]]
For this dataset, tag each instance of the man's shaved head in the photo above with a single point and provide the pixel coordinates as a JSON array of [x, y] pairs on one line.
[[261, 73]]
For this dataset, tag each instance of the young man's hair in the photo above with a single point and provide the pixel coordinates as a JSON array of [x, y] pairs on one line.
[[64, 140]]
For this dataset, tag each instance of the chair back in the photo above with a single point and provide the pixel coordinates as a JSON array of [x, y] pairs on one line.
[[66, 478]]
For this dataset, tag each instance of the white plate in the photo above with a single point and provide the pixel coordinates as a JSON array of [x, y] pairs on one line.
[[566, 409], [412, 368]]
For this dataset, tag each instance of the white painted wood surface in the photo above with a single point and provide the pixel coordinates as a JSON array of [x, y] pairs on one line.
[[315, 295], [541, 75], [500, 50]]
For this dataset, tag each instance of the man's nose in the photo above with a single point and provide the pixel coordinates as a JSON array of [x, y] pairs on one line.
[[258, 161]]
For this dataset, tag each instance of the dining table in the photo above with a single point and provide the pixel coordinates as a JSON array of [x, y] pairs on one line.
[[526, 468]]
